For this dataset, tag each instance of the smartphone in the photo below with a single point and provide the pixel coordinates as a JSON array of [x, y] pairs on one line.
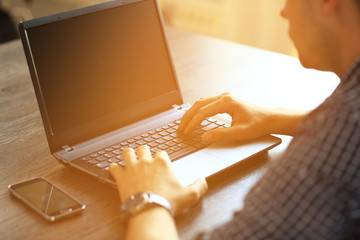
[[46, 199]]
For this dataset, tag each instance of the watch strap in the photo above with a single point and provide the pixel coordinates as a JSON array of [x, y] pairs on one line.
[[161, 201], [140, 201]]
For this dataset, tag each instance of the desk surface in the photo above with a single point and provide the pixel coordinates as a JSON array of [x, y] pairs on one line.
[[205, 66]]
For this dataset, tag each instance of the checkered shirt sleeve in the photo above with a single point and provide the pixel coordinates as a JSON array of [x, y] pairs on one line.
[[313, 191]]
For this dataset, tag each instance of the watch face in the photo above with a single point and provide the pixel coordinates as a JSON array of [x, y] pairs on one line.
[[135, 202]]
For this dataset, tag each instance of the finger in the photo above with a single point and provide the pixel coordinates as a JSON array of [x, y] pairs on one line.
[[228, 134], [129, 156], [116, 171], [194, 109], [196, 191], [162, 155], [218, 106], [143, 153]]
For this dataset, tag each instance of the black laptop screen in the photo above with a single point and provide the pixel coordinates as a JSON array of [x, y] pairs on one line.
[[101, 70]]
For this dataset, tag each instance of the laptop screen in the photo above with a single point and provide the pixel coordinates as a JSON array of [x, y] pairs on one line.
[[95, 70]]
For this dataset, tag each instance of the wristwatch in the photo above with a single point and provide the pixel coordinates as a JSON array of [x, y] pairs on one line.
[[140, 201]]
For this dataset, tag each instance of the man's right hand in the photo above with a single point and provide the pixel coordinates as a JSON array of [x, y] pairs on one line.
[[249, 121]]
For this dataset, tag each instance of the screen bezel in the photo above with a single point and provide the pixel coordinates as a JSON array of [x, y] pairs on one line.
[[98, 127]]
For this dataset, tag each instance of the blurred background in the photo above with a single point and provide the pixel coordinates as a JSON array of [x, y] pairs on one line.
[[252, 22]]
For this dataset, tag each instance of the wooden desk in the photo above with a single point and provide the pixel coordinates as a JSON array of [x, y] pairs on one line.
[[205, 66]]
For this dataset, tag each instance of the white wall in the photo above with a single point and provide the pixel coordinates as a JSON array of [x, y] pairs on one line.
[[252, 22]]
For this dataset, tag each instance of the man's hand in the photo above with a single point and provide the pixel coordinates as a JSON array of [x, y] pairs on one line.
[[248, 121], [144, 173]]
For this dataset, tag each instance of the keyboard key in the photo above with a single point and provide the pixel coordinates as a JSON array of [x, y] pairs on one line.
[[168, 138], [219, 123], [101, 158], [123, 148], [109, 155], [149, 139], [170, 143], [103, 164], [212, 120], [209, 127], [175, 135], [156, 136], [93, 161], [204, 123], [182, 145], [133, 145], [155, 150], [200, 145], [164, 138], [199, 131], [163, 146], [87, 158], [171, 130], [117, 152], [141, 142], [113, 160], [178, 140], [163, 133], [175, 148], [182, 152], [160, 141], [152, 144]]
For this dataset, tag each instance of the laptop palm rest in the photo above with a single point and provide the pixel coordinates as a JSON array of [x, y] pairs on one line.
[[219, 156]]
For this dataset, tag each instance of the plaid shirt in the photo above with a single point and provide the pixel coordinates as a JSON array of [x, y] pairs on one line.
[[313, 191]]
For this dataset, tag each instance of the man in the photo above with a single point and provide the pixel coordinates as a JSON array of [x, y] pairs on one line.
[[313, 191]]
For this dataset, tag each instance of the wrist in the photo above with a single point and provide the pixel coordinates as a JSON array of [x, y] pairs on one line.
[[143, 201], [154, 222], [284, 121]]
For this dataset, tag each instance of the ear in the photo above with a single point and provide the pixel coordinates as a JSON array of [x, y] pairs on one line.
[[329, 6]]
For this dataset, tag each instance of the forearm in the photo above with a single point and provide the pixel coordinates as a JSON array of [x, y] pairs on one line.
[[155, 223], [284, 121]]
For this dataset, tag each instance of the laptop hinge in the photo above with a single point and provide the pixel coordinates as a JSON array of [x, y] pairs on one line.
[[67, 148]]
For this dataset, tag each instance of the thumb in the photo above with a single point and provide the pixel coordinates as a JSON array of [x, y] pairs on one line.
[[196, 190], [190, 195], [115, 171], [225, 134]]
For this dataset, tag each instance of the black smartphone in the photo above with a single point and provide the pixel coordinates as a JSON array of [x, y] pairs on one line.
[[46, 199]]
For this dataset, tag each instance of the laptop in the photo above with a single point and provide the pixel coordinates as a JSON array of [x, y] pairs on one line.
[[104, 80]]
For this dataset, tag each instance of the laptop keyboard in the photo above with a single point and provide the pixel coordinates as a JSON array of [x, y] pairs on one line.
[[165, 138]]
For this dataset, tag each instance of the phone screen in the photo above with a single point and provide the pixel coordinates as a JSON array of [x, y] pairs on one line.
[[45, 198]]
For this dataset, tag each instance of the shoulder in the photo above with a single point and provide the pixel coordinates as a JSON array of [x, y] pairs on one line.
[[328, 140]]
